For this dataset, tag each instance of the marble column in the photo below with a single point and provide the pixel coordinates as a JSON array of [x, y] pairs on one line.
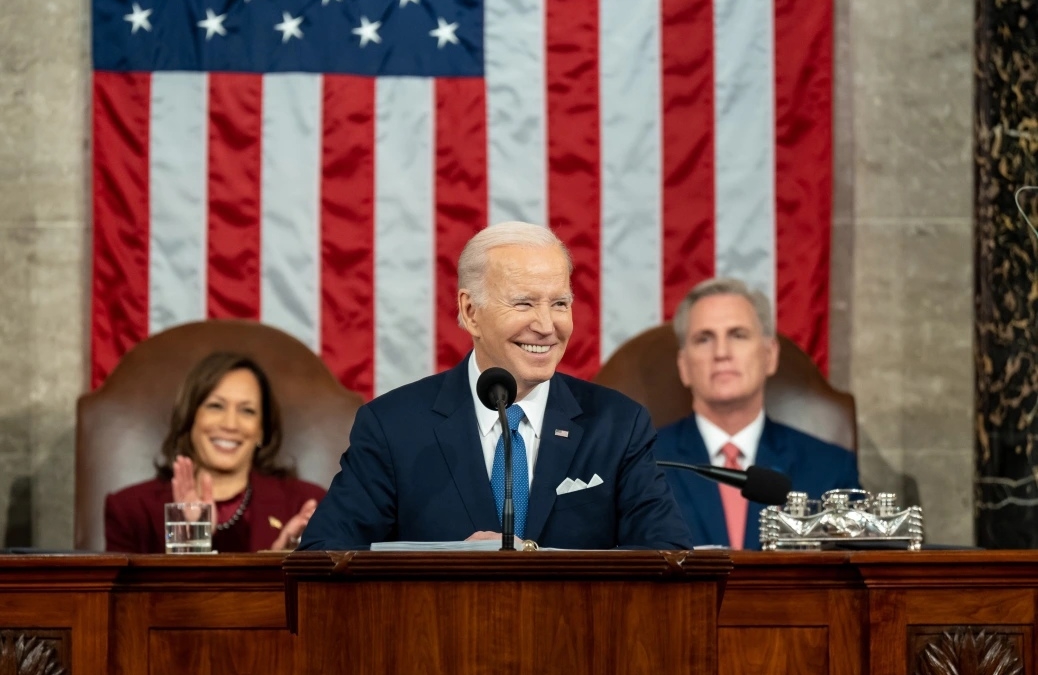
[[1006, 281]]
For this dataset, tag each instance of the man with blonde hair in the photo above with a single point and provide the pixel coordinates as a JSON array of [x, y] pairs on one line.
[[425, 461], [726, 350]]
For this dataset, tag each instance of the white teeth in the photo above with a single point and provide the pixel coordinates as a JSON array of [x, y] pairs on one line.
[[228, 445], [535, 349]]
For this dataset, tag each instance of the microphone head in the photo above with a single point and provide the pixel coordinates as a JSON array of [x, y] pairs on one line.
[[496, 385], [766, 486]]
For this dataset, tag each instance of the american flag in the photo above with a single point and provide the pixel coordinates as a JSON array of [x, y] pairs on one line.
[[318, 165]]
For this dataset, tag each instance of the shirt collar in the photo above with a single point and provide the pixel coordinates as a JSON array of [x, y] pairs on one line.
[[533, 405], [746, 439]]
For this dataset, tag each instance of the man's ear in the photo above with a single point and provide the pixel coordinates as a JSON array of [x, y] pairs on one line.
[[467, 312], [683, 370], [773, 355]]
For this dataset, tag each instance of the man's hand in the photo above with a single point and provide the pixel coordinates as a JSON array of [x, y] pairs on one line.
[[483, 534]]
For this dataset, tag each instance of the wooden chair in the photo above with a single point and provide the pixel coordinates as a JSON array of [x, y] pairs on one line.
[[797, 394], [121, 425]]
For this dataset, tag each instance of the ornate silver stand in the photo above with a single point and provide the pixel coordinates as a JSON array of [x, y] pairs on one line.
[[840, 516]]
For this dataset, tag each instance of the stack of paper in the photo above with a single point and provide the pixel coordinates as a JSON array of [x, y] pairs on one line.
[[474, 545]]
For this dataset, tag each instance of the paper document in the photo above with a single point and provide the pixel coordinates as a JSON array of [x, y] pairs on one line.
[[474, 545]]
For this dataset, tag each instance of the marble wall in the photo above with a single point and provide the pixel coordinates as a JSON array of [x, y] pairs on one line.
[[902, 280], [44, 243], [902, 250]]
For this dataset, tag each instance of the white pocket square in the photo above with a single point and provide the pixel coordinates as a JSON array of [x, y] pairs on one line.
[[570, 485]]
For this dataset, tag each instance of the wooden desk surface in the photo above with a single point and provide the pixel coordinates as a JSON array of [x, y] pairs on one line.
[[870, 612]]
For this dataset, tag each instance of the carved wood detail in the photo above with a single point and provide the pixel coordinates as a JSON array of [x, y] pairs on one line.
[[967, 650], [34, 652]]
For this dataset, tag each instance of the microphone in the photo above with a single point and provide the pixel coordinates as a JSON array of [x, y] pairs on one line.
[[758, 484], [496, 389]]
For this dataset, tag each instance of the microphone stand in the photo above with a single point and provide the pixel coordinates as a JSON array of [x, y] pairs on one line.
[[508, 511], [714, 473]]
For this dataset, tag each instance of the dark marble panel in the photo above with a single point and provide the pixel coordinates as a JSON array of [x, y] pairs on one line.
[[1006, 273]]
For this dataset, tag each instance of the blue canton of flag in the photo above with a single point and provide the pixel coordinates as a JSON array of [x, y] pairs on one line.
[[359, 37]]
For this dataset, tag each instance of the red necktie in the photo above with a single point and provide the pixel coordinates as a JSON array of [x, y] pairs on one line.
[[734, 503]]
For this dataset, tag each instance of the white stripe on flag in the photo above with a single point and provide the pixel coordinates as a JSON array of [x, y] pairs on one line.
[[404, 245], [631, 249], [290, 211], [744, 151], [178, 199], [517, 174]]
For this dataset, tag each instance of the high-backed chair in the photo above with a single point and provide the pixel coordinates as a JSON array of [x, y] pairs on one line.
[[121, 425], [798, 395]]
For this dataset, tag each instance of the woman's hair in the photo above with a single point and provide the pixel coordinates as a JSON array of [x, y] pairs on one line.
[[196, 388]]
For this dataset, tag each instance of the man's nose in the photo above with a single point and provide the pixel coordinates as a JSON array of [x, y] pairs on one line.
[[543, 322]]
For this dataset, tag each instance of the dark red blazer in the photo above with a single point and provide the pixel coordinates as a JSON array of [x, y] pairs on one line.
[[134, 519]]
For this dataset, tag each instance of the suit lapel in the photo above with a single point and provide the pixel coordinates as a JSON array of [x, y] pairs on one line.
[[458, 438], [771, 454], [706, 500], [555, 454]]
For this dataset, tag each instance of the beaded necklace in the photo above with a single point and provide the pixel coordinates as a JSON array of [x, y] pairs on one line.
[[220, 527]]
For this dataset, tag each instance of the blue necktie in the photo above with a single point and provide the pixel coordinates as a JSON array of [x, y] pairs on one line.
[[520, 477]]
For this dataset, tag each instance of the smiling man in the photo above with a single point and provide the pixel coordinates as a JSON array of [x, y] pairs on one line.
[[726, 351], [425, 462]]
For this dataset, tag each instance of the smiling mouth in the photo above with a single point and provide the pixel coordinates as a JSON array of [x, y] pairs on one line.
[[222, 444], [534, 349]]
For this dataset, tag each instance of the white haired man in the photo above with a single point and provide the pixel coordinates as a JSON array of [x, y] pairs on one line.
[[424, 462]]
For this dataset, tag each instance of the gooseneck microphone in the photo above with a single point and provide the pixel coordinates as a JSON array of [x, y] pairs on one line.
[[757, 483], [496, 389]]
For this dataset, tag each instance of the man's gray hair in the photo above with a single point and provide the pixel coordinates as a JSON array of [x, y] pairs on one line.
[[723, 286], [472, 264]]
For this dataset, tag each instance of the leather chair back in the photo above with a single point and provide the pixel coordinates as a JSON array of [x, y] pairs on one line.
[[798, 395], [120, 426]]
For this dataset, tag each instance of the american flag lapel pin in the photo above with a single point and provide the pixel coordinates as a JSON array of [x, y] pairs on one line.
[[562, 433]]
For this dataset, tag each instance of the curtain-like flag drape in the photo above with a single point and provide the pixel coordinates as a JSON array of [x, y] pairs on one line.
[[318, 165]]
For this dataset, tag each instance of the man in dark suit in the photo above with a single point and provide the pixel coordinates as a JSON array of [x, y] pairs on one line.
[[727, 349], [423, 458]]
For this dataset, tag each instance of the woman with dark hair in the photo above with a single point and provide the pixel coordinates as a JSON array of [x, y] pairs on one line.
[[222, 447]]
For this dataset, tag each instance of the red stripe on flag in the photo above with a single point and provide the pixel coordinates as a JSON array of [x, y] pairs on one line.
[[461, 200], [803, 172], [119, 316], [574, 180], [687, 46], [235, 124], [348, 231]]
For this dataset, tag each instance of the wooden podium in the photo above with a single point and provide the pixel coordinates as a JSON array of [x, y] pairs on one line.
[[528, 613]]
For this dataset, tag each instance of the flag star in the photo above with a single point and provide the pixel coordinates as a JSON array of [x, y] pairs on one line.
[[289, 27], [368, 31], [325, 2], [138, 19], [407, 2], [213, 24], [444, 33]]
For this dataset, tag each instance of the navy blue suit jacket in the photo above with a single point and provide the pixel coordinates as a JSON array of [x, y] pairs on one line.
[[415, 471], [813, 465]]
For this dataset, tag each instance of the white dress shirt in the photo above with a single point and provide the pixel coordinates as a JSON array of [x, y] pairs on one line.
[[490, 425], [746, 439]]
